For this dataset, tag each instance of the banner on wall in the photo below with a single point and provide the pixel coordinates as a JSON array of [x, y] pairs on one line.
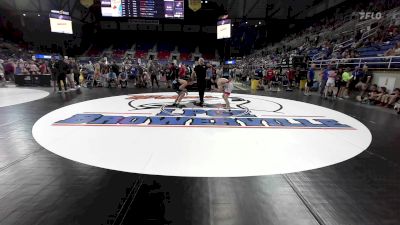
[[142, 21], [86, 3], [194, 5]]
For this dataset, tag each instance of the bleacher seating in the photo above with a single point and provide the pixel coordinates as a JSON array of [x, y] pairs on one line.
[[187, 48], [141, 54], [144, 46], [208, 56], [164, 55], [164, 51], [312, 52], [185, 56], [94, 52], [337, 41], [118, 53], [165, 47]]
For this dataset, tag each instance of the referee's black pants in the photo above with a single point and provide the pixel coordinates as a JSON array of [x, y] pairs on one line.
[[201, 85], [76, 78]]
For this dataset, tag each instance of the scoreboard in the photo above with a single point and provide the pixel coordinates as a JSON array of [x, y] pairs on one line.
[[169, 9]]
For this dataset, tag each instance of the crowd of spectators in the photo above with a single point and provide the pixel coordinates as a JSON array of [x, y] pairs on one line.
[[341, 79], [334, 19], [312, 41], [22, 67], [135, 72], [69, 74], [332, 82], [138, 72]]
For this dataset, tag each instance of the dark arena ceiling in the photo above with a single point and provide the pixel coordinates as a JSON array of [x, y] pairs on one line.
[[277, 9], [31, 16]]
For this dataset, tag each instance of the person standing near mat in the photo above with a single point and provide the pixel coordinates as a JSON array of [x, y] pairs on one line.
[[172, 74], [200, 74], [153, 70], [310, 80], [2, 77], [61, 68], [208, 76], [75, 71]]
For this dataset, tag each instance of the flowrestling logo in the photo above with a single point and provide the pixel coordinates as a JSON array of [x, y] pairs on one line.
[[145, 133], [369, 15], [211, 115]]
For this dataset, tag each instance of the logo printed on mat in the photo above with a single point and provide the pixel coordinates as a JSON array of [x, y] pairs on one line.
[[212, 115]]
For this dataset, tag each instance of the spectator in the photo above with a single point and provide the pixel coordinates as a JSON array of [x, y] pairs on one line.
[[61, 69], [75, 71], [373, 90], [140, 76], [94, 70], [182, 71], [324, 78], [171, 74], [153, 70], [364, 82], [219, 72], [123, 78], [25, 68], [112, 78], [378, 97], [33, 69], [310, 80], [209, 74], [214, 77], [114, 67], [389, 100], [9, 70], [19, 67], [290, 78], [269, 76], [357, 75], [2, 77], [134, 72], [146, 78], [53, 73], [43, 68], [397, 107], [338, 82], [70, 75], [346, 79], [395, 51], [330, 83]]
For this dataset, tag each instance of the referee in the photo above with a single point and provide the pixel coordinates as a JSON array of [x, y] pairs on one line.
[[200, 73]]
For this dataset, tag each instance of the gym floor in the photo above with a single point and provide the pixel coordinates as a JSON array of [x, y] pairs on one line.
[[39, 187]]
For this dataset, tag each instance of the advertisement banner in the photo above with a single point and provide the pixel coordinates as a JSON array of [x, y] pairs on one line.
[[194, 5]]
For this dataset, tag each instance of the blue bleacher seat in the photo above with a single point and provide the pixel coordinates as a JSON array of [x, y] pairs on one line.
[[386, 47], [396, 60]]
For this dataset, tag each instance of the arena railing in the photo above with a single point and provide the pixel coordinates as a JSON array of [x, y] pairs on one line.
[[385, 62]]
